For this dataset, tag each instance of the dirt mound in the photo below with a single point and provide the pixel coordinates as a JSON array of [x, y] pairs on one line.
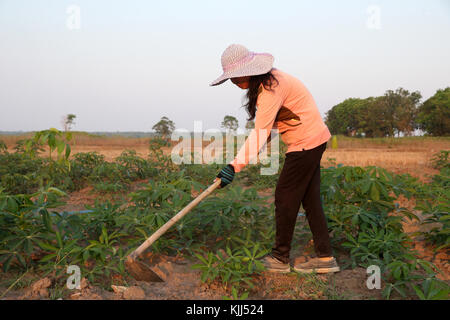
[[38, 290], [134, 293], [180, 281]]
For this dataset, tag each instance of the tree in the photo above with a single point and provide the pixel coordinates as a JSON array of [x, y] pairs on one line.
[[434, 114], [68, 121], [393, 113], [374, 122], [250, 125], [230, 123], [3, 147], [164, 127], [346, 117], [400, 110]]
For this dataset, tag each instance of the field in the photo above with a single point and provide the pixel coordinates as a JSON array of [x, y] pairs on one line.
[[386, 201], [405, 155]]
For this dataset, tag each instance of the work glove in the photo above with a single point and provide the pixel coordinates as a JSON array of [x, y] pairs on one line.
[[226, 175]]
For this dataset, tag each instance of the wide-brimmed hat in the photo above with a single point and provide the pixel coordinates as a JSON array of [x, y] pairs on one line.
[[238, 61]]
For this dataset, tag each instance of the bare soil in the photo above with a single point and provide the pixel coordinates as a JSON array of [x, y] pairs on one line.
[[183, 282]]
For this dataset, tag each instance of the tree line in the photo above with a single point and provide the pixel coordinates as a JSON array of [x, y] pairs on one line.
[[165, 126], [396, 113]]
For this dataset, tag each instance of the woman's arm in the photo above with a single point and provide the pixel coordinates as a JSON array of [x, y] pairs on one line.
[[269, 103]]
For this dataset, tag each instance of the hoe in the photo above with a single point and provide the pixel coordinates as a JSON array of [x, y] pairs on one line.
[[142, 271]]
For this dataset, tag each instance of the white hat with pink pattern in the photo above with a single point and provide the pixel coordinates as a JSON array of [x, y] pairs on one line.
[[238, 61]]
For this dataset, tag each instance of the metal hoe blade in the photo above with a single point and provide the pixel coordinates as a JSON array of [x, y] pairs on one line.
[[141, 271]]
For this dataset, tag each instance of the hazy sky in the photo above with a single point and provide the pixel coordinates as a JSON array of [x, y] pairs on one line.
[[132, 62]]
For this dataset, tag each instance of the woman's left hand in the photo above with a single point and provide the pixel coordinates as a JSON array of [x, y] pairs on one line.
[[226, 175]]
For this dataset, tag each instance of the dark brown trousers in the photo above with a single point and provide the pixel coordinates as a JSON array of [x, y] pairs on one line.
[[299, 183]]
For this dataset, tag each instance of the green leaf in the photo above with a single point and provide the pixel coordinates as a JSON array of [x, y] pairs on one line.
[[244, 295], [374, 192], [60, 146], [59, 239], [28, 247], [68, 150], [7, 263], [86, 255], [234, 292], [365, 187], [48, 257], [427, 266], [47, 246], [201, 258], [400, 291], [21, 259], [56, 191], [387, 291], [51, 141], [46, 219], [12, 205], [355, 219]]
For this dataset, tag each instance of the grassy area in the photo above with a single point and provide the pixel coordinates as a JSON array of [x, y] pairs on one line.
[[86, 138], [401, 143]]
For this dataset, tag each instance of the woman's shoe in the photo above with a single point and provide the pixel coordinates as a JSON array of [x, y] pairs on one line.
[[272, 264], [317, 265]]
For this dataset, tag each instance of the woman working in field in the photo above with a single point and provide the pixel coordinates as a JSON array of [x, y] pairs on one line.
[[278, 100]]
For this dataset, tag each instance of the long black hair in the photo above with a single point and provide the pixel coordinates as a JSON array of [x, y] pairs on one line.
[[267, 80]]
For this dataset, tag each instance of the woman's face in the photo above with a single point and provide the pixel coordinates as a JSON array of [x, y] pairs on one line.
[[241, 82]]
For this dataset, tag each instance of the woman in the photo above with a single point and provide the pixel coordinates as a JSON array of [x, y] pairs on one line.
[[278, 100]]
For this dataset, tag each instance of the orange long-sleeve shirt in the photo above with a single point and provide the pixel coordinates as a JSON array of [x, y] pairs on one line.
[[291, 109]]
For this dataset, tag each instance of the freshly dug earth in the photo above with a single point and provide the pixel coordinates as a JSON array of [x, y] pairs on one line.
[[183, 282]]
